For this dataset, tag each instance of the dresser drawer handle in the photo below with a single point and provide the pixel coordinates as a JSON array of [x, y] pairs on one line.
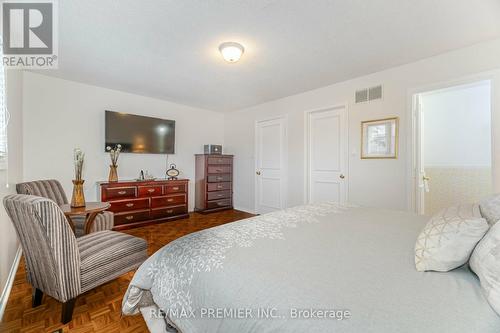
[[220, 186], [170, 200], [220, 195], [219, 178], [151, 190], [175, 188], [221, 203], [170, 211], [122, 192], [218, 170], [130, 205], [130, 217]]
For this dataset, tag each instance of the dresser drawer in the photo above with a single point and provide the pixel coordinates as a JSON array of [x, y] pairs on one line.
[[218, 195], [149, 191], [219, 178], [131, 204], [218, 203], [219, 169], [131, 217], [119, 192], [159, 213], [219, 160], [180, 188], [218, 186], [171, 200]]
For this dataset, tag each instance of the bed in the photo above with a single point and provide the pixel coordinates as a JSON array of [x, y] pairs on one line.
[[315, 268]]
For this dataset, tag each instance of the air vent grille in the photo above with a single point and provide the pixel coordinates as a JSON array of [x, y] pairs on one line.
[[362, 96], [368, 94], [375, 93]]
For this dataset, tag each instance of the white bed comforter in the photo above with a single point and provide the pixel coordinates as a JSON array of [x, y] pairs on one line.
[[316, 268]]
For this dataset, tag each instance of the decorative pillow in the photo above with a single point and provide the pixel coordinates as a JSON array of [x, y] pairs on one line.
[[449, 238], [490, 209], [485, 262]]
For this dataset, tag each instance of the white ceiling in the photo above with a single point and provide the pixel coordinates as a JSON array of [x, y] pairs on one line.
[[168, 48]]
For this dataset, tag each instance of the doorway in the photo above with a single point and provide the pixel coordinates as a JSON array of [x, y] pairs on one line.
[[453, 146], [326, 155], [270, 165]]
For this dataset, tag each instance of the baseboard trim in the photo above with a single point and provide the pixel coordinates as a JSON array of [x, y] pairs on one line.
[[244, 209], [10, 281]]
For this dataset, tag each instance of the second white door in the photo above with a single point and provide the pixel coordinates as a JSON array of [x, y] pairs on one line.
[[270, 173], [327, 155]]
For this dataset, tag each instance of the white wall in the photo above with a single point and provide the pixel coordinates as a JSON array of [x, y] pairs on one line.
[[13, 174], [381, 183], [60, 115], [457, 126]]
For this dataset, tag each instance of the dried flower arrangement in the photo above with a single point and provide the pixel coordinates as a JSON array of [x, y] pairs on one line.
[[79, 157], [78, 198], [114, 153]]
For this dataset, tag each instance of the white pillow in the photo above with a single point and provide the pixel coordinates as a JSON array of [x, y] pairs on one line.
[[490, 208], [449, 238], [485, 262]]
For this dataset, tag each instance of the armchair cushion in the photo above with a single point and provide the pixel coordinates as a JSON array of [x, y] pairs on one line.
[[103, 221], [105, 255]]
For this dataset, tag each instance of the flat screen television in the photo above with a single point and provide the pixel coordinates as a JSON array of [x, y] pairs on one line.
[[140, 134]]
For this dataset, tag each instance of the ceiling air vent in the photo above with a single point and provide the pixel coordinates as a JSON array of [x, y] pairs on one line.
[[368, 94], [362, 96]]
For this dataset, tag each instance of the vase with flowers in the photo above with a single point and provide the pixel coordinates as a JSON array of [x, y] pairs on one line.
[[114, 153], [78, 198]]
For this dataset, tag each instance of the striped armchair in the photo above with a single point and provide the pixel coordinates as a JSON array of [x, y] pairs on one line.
[[52, 189], [60, 265]]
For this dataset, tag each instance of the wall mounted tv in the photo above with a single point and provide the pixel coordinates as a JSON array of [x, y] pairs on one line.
[[139, 134]]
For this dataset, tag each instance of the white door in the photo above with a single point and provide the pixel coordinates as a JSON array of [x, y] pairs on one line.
[[270, 172], [327, 155]]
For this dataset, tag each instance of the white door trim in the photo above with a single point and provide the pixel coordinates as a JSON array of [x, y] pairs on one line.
[[413, 129], [307, 114], [284, 196]]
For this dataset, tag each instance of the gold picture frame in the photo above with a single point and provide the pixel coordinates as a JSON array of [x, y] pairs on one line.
[[380, 138]]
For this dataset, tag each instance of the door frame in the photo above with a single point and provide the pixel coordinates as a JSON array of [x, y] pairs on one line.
[[413, 134], [284, 196], [307, 157]]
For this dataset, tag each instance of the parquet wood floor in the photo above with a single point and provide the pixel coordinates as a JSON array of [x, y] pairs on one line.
[[98, 310]]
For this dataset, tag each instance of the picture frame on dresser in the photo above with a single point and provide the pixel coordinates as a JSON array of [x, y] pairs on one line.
[[140, 203], [214, 182]]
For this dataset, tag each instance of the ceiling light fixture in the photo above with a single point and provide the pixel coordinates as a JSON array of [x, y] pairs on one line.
[[231, 51]]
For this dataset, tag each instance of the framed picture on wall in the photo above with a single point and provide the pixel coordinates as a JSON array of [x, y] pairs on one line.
[[379, 138]]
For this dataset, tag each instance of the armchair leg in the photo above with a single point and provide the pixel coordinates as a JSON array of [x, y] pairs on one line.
[[67, 311], [36, 299]]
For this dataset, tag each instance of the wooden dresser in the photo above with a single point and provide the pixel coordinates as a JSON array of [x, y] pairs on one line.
[[214, 182], [138, 203]]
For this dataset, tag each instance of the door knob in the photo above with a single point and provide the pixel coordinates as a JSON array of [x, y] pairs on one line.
[[342, 176], [426, 178], [258, 173]]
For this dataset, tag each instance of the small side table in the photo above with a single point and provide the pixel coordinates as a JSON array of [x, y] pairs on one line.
[[90, 212]]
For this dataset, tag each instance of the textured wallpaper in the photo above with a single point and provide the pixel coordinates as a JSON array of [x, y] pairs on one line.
[[452, 185]]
